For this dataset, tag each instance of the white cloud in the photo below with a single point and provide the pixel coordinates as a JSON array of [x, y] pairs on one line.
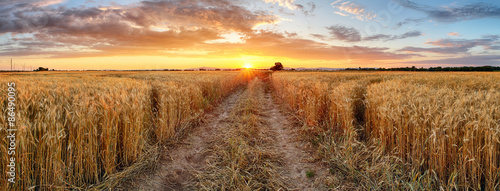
[[284, 3], [348, 8], [341, 14]]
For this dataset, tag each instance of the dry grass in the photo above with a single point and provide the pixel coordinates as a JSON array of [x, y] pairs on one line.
[[441, 128], [78, 130], [241, 161]]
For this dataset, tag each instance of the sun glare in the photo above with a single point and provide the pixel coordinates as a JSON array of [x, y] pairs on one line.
[[248, 66]]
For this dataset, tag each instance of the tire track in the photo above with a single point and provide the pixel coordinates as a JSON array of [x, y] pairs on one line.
[[181, 161], [296, 156]]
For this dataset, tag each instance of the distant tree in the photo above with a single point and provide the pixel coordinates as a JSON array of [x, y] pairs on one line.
[[277, 66], [42, 69]]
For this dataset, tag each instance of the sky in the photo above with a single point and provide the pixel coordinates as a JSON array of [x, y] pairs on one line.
[[158, 34]]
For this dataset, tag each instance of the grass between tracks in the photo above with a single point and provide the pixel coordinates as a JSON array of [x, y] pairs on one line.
[[241, 161]]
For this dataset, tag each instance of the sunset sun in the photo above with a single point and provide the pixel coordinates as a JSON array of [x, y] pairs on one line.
[[248, 66]]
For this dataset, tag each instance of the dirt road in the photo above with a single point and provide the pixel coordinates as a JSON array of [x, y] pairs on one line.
[[183, 163]]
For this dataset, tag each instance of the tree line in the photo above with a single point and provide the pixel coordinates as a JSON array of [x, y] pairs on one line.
[[439, 68]]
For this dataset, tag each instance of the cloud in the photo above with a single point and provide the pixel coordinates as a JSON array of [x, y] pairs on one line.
[[203, 13], [494, 47], [266, 43], [414, 33], [408, 21], [453, 50], [455, 46], [219, 13], [319, 36], [454, 34], [478, 60], [35, 3], [166, 28], [148, 27], [350, 34], [48, 2], [291, 34], [271, 44], [341, 14], [485, 42], [291, 5], [348, 8], [457, 13], [377, 37], [343, 33], [312, 7], [384, 37]]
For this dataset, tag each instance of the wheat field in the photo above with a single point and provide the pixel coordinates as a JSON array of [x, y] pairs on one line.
[[442, 129], [370, 130], [77, 129]]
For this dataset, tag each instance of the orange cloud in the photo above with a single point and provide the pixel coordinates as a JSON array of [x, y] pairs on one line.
[[266, 43], [166, 28], [131, 29]]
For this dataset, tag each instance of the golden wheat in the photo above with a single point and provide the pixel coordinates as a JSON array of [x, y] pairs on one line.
[[77, 129], [444, 125]]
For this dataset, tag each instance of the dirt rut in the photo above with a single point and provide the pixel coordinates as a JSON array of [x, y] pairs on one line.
[[297, 156], [181, 161]]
